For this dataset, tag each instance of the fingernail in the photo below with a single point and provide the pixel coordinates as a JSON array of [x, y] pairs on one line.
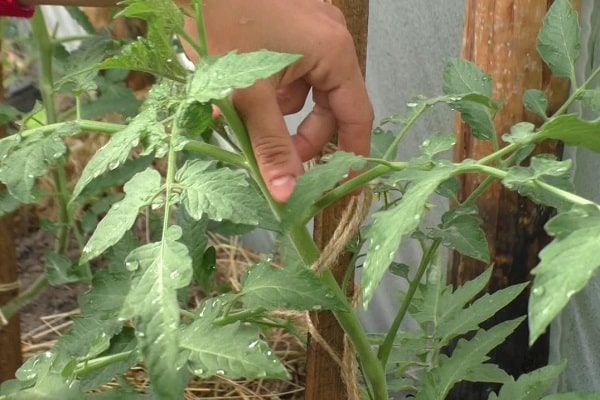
[[282, 187]]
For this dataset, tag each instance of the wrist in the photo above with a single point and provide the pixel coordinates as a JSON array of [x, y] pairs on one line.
[[14, 8]]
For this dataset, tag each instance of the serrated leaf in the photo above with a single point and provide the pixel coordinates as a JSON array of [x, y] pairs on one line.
[[194, 237], [160, 269], [481, 310], [61, 270], [28, 161], [437, 143], [460, 77], [381, 140], [219, 194], [117, 150], [316, 181], [490, 373], [113, 96], [195, 118], [392, 225], [572, 131], [559, 39], [535, 101], [215, 79], [566, 265], [293, 286], [461, 230], [467, 356], [139, 192], [530, 386], [233, 350], [521, 133]]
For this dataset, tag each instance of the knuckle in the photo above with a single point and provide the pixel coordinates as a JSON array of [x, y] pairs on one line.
[[271, 152]]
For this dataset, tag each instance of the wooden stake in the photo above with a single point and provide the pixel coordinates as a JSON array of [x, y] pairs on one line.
[[10, 334], [500, 36], [323, 378]]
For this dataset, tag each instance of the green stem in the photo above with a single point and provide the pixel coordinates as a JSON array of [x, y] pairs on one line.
[[217, 153], [33, 291], [203, 50], [309, 253], [96, 364], [386, 347], [499, 154], [391, 151], [478, 191], [578, 93]]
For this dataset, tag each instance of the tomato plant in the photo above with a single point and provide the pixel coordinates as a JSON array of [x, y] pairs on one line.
[[135, 310]]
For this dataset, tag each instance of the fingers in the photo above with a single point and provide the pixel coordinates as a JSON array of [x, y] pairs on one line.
[[277, 159], [317, 128]]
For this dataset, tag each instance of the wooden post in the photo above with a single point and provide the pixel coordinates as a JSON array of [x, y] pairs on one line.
[[500, 36], [323, 377], [10, 334]]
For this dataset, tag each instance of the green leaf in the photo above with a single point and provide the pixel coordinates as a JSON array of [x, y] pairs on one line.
[[572, 396], [521, 133], [486, 373], [160, 269], [220, 193], [591, 98], [392, 225], [316, 181], [61, 270], [437, 143], [233, 350], [140, 191], [113, 96], [8, 113], [481, 310], [116, 152], [81, 18], [294, 286], [467, 356], [559, 39], [28, 161], [214, 79], [566, 265], [572, 131], [380, 142], [543, 168], [460, 77], [195, 118], [461, 230], [530, 386], [536, 102], [194, 238], [8, 204]]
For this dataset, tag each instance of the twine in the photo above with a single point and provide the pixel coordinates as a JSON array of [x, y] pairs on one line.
[[349, 224], [8, 287]]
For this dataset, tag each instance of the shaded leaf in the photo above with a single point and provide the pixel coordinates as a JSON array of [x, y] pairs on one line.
[[61, 270], [529, 386], [566, 265], [8, 113], [380, 142], [293, 286], [572, 131], [536, 102]]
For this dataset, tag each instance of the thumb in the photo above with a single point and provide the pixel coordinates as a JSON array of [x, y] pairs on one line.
[[275, 153]]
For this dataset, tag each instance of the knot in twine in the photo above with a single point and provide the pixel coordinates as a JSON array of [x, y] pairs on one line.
[[7, 287]]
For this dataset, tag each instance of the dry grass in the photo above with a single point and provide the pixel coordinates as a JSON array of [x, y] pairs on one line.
[[232, 261]]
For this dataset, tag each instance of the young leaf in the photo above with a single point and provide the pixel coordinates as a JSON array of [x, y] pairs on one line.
[[464, 77], [160, 269], [467, 356], [380, 142], [461, 231], [530, 386], [559, 39], [293, 286], [215, 79], [536, 102], [28, 161], [572, 131], [316, 181], [566, 265], [116, 151], [437, 143], [139, 192], [521, 133], [217, 193], [392, 225], [233, 350], [61, 270]]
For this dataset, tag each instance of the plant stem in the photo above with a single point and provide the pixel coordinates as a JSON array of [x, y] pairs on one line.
[[391, 151], [217, 153], [386, 347], [96, 364], [203, 48], [478, 191], [577, 94], [309, 253], [499, 153], [15, 305]]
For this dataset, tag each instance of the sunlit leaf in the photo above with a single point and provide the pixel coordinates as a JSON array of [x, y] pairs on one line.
[[572, 131]]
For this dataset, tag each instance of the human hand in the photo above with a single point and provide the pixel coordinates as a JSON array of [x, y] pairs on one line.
[[317, 31]]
